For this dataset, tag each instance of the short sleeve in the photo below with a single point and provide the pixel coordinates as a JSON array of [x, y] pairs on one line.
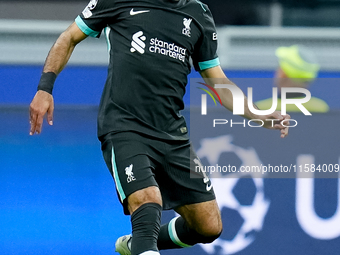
[[93, 18], [205, 53]]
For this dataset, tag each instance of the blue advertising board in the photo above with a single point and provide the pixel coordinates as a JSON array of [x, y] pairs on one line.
[[272, 211]]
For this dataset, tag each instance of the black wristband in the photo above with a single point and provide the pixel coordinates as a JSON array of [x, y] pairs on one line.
[[46, 82]]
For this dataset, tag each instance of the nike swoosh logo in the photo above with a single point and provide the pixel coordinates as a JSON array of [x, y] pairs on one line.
[[209, 187], [132, 12]]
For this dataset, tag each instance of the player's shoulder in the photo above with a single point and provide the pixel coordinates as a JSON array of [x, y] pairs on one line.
[[199, 10], [100, 4], [198, 6], [115, 3]]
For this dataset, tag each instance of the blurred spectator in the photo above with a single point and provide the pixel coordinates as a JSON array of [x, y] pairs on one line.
[[298, 67]]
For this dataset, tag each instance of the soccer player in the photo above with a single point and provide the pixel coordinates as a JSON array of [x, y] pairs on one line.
[[144, 137], [298, 68]]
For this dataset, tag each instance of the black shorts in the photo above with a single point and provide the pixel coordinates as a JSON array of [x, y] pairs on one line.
[[137, 162]]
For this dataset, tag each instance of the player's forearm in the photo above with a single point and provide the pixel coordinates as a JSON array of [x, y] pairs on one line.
[[227, 99], [215, 76], [59, 54]]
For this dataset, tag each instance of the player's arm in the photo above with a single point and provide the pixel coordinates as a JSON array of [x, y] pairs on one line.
[[56, 60], [215, 75]]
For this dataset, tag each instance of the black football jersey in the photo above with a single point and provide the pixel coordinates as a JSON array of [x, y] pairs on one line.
[[150, 43]]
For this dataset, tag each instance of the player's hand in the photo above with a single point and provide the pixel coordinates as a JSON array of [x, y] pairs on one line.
[[277, 119], [41, 104]]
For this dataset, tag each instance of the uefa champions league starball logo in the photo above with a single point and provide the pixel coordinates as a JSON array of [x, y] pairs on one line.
[[92, 4], [251, 214]]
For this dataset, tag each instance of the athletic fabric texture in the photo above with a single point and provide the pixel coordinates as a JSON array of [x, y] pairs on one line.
[[176, 234], [137, 162], [151, 45], [145, 228]]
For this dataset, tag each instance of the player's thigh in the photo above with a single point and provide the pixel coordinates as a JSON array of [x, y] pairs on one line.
[[203, 217], [132, 170], [179, 183]]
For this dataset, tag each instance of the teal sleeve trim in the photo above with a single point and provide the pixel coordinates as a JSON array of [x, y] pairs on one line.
[[83, 27], [209, 64], [116, 177], [199, 2]]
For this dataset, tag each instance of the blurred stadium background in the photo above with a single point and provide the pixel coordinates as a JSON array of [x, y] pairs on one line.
[[56, 195]]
